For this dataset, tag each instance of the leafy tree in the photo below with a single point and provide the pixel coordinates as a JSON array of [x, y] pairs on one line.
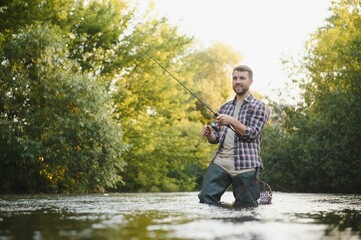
[[57, 119], [15, 14], [210, 71], [151, 107], [56, 115], [95, 28], [333, 95], [71, 71], [324, 131], [161, 117]]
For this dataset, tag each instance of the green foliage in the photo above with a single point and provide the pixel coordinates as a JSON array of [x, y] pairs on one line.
[[95, 30], [320, 139], [166, 151], [70, 75], [71, 72], [210, 71], [58, 133], [14, 14]]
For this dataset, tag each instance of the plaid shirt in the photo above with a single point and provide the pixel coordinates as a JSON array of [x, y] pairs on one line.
[[254, 114]]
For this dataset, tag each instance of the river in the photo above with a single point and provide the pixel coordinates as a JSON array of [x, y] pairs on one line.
[[138, 216]]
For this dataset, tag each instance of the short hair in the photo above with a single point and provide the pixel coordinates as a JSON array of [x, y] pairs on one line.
[[244, 68]]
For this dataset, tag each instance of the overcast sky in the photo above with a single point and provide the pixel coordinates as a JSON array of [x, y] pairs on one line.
[[262, 31]]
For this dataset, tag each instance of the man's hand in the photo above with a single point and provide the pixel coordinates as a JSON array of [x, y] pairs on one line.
[[208, 133], [224, 119]]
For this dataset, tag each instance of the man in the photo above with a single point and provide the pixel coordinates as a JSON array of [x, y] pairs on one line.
[[237, 160]]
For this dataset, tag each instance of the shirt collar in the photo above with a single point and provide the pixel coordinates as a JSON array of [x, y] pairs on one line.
[[247, 99]]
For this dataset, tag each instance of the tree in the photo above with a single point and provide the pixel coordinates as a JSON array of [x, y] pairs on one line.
[[210, 71], [15, 14], [161, 117], [325, 129], [151, 106], [72, 71], [58, 132]]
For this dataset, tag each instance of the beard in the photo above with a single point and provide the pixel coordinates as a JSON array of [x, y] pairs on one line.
[[240, 91]]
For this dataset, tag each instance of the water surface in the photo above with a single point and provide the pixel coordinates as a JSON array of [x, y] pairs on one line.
[[177, 216]]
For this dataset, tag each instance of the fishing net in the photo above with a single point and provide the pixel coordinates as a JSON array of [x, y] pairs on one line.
[[265, 193], [256, 192]]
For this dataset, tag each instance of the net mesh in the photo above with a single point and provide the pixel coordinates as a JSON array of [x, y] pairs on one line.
[[256, 192], [265, 193]]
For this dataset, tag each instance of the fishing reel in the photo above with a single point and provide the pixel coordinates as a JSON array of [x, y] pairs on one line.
[[215, 126]]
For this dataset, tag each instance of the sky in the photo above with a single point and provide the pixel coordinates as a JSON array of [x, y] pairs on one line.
[[262, 31]]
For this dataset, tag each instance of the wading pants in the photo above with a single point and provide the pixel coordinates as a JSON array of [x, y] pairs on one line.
[[217, 181]]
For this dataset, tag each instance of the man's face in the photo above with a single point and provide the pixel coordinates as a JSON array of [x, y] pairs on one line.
[[241, 82]]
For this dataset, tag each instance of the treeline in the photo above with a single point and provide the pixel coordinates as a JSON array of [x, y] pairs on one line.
[[316, 145], [83, 109]]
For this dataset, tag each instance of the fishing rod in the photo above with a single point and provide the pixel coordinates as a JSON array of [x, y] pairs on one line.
[[193, 94], [213, 125]]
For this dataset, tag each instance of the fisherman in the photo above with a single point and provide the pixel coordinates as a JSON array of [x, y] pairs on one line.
[[237, 161]]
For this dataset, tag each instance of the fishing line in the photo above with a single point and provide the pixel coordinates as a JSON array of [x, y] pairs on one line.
[[155, 60], [166, 70]]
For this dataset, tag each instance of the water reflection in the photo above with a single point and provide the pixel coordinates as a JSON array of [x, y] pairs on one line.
[[178, 216], [346, 221]]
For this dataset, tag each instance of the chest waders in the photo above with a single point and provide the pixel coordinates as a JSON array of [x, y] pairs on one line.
[[216, 181]]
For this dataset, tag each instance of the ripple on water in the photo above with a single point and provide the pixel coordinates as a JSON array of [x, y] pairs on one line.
[[178, 216]]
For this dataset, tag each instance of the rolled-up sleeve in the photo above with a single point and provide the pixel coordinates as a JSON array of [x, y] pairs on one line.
[[216, 133], [257, 120]]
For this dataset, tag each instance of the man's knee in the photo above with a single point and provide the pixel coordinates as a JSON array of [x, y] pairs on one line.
[[215, 183]]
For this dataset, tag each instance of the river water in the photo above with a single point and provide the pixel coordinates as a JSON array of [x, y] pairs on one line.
[[136, 216]]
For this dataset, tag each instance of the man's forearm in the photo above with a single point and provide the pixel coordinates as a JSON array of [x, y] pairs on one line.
[[238, 127], [212, 138]]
